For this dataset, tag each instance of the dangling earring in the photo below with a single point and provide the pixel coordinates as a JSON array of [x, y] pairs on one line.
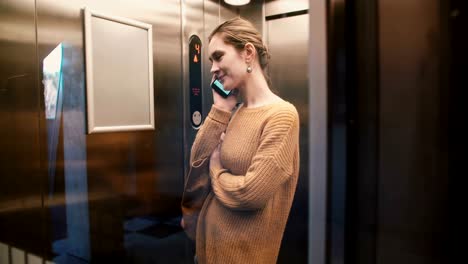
[[249, 69]]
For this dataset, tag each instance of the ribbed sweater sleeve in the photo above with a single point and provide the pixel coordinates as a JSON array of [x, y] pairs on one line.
[[208, 136], [271, 166]]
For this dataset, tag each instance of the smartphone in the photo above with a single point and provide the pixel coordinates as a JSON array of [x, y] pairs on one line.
[[219, 88]]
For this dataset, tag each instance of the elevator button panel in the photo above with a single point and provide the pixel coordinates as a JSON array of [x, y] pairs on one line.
[[195, 59]]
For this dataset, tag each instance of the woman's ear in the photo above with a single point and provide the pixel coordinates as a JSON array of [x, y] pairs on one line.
[[250, 52]]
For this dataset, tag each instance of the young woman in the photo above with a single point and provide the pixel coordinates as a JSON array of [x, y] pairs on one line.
[[253, 154]]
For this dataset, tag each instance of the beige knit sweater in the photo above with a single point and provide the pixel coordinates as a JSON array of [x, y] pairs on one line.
[[244, 216]]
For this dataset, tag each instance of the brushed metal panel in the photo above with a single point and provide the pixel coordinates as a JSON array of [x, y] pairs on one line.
[[20, 175], [212, 18], [192, 24], [129, 175], [254, 12], [318, 129], [289, 78]]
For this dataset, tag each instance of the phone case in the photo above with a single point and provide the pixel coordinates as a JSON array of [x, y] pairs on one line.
[[219, 88]]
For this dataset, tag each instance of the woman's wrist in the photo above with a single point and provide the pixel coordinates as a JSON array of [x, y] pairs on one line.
[[219, 114]]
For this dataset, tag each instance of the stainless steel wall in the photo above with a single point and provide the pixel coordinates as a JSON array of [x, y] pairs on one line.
[[288, 39], [66, 195], [127, 176], [95, 184], [21, 182]]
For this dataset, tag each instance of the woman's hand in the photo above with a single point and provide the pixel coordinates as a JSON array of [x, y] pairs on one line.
[[226, 104], [215, 161]]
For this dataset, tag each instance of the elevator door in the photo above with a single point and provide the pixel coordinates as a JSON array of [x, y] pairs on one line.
[[287, 39]]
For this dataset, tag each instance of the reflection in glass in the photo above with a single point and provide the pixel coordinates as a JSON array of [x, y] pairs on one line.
[[52, 71], [52, 77], [66, 157]]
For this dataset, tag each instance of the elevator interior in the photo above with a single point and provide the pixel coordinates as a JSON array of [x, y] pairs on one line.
[[72, 197], [385, 82]]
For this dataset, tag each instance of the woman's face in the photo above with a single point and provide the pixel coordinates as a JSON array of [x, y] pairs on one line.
[[228, 64]]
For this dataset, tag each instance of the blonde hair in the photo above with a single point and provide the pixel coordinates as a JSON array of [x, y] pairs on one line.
[[238, 32]]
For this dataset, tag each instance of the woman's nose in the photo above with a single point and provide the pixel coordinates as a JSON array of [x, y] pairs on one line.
[[214, 68]]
